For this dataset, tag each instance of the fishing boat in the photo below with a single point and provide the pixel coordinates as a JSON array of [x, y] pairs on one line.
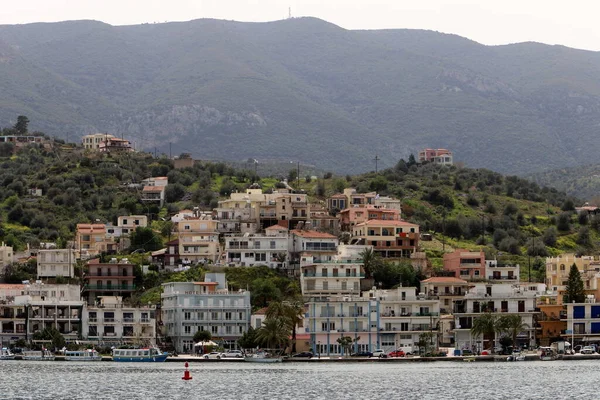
[[516, 356], [38, 355], [83, 355], [6, 354], [548, 354], [263, 356], [150, 354]]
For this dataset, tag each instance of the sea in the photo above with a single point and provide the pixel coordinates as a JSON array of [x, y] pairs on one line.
[[298, 381]]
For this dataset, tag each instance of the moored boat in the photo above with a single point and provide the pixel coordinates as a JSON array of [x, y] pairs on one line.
[[548, 354], [263, 357], [38, 355], [6, 354], [83, 355], [150, 354]]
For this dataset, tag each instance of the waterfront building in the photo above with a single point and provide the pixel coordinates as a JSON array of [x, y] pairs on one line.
[[386, 319], [557, 273], [447, 289], [270, 249], [188, 307], [56, 306], [305, 244], [115, 278], [583, 322], [56, 262], [111, 321], [12, 314], [497, 299]]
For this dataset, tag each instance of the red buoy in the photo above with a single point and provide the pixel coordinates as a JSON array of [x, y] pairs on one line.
[[186, 374]]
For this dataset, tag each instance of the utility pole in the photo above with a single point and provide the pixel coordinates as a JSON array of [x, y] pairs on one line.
[[376, 159], [298, 177], [483, 229]]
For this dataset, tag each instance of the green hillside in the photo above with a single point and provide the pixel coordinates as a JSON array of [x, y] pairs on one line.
[[304, 90]]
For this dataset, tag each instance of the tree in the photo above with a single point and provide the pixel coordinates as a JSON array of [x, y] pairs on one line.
[[248, 339], [289, 311], [144, 238], [274, 333], [21, 125], [574, 291], [486, 326], [411, 160], [345, 343], [202, 336], [371, 261], [263, 291], [52, 334], [512, 325]]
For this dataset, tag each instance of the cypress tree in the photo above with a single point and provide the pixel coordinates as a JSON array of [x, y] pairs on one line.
[[575, 291]]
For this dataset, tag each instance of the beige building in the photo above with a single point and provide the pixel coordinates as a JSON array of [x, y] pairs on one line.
[[92, 239], [389, 238], [198, 239], [56, 262], [7, 255], [557, 273], [92, 142]]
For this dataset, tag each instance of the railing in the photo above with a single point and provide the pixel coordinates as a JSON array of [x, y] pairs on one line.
[[332, 275], [504, 278], [130, 320], [110, 320], [109, 288]]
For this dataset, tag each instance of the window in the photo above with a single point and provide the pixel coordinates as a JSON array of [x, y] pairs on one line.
[[187, 329], [187, 315], [228, 329], [228, 316], [200, 315], [214, 329], [404, 326], [325, 285], [214, 315], [272, 244]]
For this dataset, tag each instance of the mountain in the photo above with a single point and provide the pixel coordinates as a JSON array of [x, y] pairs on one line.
[[582, 182], [305, 90]]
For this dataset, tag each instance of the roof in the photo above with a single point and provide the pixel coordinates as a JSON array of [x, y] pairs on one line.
[[261, 311], [6, 286], [277, 227], [444, 279], [313, 234], [159, 252], [206, 283], [338, 195], [387, 222], [91, 226]]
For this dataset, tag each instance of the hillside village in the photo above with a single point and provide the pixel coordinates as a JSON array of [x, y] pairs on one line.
[[361, 269]]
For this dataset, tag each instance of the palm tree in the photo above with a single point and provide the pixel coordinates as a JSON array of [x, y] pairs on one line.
[[345, 343], [291, 312], [486, 325], [274, 333], [512, 325], [371, 261]]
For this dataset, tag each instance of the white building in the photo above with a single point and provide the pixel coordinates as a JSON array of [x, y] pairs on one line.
[[7, 255], [56, 262], [188, 307], [12, 315], [497, 299], [501, 273], [270, 248], [112, 321], [378, 319]]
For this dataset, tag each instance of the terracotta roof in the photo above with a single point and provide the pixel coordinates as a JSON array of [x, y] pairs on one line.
[[11, 286], [444, 279], [313, 234], [206, 283], [386, 222], [91, 226], [277, 227], [262, 311]]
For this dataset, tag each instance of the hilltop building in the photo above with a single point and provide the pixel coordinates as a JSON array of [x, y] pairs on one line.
[[437, 156]]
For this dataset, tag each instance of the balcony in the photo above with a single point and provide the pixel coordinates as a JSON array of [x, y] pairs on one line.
[[115, 288], [502, 278], [331, 275]]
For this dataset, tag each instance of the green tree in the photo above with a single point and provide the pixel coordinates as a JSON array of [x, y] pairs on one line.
[[21, 125], [574, 291], [511, 325], [202, 336], [264, 291], [371, 261], [291, 312], [274, 333], [345, 343], [144, 238], [248, 339], [52, 334], [486, 326]]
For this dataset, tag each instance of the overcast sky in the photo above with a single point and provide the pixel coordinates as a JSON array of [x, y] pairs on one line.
[[571, 23]]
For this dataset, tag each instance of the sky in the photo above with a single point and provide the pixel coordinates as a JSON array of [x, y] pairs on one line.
[[492, 22]]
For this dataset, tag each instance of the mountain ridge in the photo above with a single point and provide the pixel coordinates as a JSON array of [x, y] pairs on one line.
[[307, 89]]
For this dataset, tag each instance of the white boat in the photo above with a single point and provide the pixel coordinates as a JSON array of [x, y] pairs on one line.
[[38, 355], [263, 357], [151, 354], [83, 355], [6, 354], [516, 356], [548, 354]]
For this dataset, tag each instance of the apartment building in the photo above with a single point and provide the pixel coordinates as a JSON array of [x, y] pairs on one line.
[[500, 272], [465, 264], [115, 278], [557, 273], [56, 262], [270, 248], [350, 217], [447, 289], [389, 238], [340, 275], [7, 255], [110, 320], [12, 314], [494, 298], [188, 307], [437, 156], [198, 239], [93, 141], [92, 239], [583, 322]]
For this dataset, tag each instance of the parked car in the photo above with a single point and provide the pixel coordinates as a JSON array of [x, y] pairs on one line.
[[397, 353], [304, 354], [362, 354], [232, 354], [212, 355], [379, 353], [588, 350]]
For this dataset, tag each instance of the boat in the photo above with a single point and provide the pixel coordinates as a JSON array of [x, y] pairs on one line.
[[548, 354], [516, 356], [469, 359], [262, 356], [6, 354], [38, 355], [83, 355], [149, 354]]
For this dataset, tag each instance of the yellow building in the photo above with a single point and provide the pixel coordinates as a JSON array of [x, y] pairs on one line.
[[198, 239], [557, 273], [92, 142]]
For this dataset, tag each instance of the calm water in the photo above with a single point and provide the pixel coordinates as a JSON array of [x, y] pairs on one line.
[[442, 380]]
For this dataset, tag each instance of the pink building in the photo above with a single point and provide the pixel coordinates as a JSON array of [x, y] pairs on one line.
[[437, 156], [356, 215], [468, 265]]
